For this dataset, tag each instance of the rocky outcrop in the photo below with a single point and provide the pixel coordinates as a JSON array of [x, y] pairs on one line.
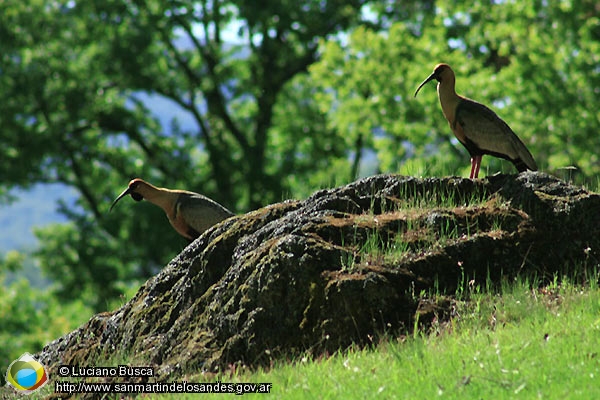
[[346, 265]]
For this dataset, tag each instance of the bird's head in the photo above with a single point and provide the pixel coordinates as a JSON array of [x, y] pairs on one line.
[[440, 73], [136, 189]]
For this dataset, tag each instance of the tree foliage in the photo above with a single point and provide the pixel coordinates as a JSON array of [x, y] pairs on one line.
[[31, 318], [76, 77], [536, 63], [274, 101]]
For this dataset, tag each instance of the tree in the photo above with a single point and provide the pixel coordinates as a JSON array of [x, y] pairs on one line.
[[74, 76], [535, 63]]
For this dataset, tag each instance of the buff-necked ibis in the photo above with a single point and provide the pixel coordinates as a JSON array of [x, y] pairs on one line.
[[477, 127], [189, 213]]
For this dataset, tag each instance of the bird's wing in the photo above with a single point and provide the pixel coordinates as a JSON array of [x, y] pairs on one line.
[[491, 134], [199, 212]]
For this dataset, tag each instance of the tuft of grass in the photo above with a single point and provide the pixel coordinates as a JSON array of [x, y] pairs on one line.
[[416, 233], [428, 219], [411, 198]]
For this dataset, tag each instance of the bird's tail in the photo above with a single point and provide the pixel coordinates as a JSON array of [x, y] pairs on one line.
[[521, 166]]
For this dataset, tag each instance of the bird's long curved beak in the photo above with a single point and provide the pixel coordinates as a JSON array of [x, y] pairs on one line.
[[429, 78], [125, 193]]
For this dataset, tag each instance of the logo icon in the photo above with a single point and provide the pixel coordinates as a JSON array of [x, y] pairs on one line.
[[26, 374]]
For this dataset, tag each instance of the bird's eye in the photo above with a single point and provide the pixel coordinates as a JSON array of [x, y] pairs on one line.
[[137, 196]]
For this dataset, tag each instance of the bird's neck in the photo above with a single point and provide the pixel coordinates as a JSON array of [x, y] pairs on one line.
[[164, 198], [448, 98]]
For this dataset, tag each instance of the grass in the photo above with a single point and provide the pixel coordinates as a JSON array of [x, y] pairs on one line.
[[411, 198], [416, 233], [522, 343]]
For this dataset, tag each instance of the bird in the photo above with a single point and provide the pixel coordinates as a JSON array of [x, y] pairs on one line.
[[189, 213], [476, 126]]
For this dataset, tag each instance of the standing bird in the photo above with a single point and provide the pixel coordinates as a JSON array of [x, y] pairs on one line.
[[477, 127], [189, 213]]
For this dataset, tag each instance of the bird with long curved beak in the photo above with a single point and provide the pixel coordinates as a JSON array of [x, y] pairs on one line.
[[189, 213], [477, 127]]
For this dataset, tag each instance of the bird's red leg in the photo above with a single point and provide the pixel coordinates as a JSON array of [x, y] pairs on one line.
[[477, 165]]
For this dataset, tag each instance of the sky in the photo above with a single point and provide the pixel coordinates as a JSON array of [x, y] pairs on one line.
[[33, 207]]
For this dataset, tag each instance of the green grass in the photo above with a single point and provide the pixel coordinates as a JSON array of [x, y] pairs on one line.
[[523, 343], [410, 198], [415, 234]]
